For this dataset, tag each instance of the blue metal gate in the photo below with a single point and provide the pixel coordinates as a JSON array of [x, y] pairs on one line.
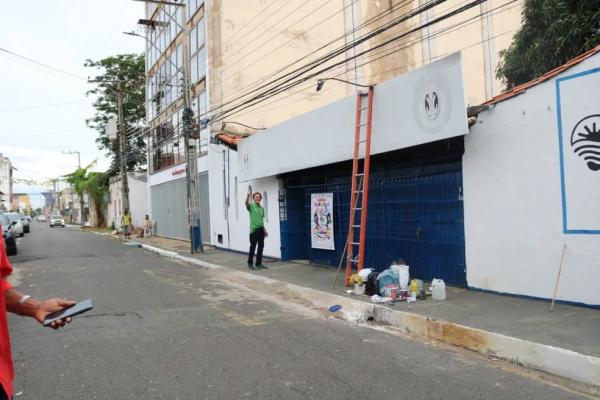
[[414, 216]]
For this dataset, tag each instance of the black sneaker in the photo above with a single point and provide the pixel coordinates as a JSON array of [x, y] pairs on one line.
[[261, 266], [252, 267]]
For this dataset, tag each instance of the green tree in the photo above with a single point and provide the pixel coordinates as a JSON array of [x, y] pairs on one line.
[[128, 69], [95, 184], [552, 33]]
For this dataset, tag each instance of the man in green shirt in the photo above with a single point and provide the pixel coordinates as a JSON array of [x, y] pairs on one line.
[[257, 230]]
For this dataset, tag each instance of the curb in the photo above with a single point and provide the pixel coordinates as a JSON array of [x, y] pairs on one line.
[[157, 250], [558, 361]]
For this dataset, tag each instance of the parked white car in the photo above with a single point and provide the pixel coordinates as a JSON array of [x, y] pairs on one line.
[[25, 222], [57, 220], [16, 225]]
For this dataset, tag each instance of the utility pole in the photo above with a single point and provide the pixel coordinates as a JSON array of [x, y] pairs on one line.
[[122, 150], [191, 157], [73, 189], [55, 190], [190, 145]]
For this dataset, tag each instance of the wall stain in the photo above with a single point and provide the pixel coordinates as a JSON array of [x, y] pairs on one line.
[[401, 60]]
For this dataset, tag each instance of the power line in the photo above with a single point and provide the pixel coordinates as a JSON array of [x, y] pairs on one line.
[[284, 3], [278, 33], [438, 33], [333, 41], [341, 50], [263, 57], [298, 72], [42, 64], [43, 134], [297, 79], [462, 9], [368, 22], [291, 83], [43, 106], [249, 22]]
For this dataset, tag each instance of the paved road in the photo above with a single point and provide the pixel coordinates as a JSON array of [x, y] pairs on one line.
[[163, 330]]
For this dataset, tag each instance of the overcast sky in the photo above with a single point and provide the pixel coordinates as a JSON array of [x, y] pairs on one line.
[[43, 112]]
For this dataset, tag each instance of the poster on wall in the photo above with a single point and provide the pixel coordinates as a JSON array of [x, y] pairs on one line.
[[578, 116], [321, 211]]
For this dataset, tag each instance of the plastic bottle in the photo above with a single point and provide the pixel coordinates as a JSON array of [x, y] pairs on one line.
[[413, 290], [438, 289]]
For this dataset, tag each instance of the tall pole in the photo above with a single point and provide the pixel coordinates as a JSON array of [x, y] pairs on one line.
[[73, 188], [122, 150], [81, 223], [190, 146], [191, 168]]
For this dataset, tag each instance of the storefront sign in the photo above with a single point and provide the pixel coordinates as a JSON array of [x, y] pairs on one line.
[[178, 172], [321, 211], [578, 116], [422, 106]]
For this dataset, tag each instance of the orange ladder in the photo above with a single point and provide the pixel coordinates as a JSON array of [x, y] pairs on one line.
[[355, 249]]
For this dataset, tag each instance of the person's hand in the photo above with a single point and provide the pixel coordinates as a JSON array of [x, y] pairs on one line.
[[266, 233], [52, 305]]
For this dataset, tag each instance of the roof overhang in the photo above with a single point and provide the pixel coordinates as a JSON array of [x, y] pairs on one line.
[[522, 88]]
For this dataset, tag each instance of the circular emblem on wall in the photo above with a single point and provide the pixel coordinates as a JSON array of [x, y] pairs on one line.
[[432, 104], [585, 141], [246, 163]]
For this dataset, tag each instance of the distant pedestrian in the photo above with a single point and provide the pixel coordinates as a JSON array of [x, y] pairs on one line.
[[126, 224], [147, 227], [257, 230]]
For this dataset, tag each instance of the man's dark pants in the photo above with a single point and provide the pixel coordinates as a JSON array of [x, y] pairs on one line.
[[257, 237]]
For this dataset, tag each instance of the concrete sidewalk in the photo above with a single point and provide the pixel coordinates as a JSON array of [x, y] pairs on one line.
[[514, 328]]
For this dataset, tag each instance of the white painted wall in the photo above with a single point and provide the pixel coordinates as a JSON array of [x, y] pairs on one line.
[[400, 119], [232, 222], [513, 204], [138, 200]]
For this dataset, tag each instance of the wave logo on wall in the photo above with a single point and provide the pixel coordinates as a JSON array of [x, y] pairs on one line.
[[585, 141]]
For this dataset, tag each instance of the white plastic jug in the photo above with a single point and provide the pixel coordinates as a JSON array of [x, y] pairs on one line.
[[359, 289], [438, 289]]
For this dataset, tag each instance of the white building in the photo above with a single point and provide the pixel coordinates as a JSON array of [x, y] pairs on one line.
[[532, 185], [229, 52], [138, 200], [6, 183], [311, 155], [527, 182]]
